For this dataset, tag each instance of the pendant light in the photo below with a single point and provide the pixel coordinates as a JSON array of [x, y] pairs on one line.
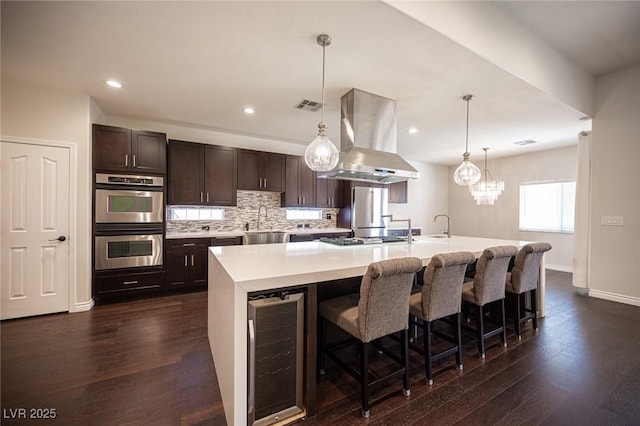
[[467, 173], [487, 191], [322, 155]]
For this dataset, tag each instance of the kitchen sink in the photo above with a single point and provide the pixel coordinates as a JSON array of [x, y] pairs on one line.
[[264, 237]]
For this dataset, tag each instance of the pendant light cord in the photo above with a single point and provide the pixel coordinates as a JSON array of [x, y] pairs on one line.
[[466, 145], [323, 60]]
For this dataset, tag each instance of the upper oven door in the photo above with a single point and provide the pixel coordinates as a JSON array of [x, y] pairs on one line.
[[129, 206]]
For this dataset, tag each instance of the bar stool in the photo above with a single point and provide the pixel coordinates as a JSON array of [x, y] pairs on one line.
[[439, 298], [523, 279], [381, 309], [487, 287]]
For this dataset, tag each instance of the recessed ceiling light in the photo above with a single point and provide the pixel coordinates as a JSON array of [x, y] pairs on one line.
[[114, 83], [412, 130], [248, 110]]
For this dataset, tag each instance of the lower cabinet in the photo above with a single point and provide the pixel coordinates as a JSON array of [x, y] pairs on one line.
[[114, 284], [187, 260]]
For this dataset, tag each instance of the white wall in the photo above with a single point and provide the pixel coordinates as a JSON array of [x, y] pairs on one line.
[[427, 197], [502, 219], [38, 114], [615, 251]]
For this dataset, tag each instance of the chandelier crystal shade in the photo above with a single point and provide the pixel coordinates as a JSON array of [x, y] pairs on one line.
[[321, 154], [488, 189], [467, 173]]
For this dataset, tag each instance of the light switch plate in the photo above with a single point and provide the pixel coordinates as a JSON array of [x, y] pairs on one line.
[[612, 221]]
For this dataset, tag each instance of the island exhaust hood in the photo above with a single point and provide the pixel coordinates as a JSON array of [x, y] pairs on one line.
[[368, 140]]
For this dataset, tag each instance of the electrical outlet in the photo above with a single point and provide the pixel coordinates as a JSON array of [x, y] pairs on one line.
[[612, 221], [329, 216]]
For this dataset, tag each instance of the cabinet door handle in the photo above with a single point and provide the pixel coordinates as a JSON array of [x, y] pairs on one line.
[[185, 260], [189, 245], [126, 160], [201, 197], [207, 197], [265, 182], [129, 282], [192, 263], [134, 160], [260, 184]]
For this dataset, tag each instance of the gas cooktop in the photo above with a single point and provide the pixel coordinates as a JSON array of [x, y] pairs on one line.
[[359, 240]]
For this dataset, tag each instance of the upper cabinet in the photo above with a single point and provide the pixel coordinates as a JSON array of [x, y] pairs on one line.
[[329, 193], [261, 171], [117, 149], [201, 174], [398, 192], [300, 188]]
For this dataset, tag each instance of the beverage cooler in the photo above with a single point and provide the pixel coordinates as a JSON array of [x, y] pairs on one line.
[[276, 359]]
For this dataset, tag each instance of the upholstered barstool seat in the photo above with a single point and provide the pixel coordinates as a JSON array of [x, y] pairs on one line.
[[381, 309], [487, 287], [440, 298], [523, 279]]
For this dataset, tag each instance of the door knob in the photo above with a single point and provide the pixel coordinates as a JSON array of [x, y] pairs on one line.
[[60, 238]]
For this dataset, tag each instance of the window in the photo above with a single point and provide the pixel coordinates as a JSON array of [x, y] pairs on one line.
[[298, 214], [547, 207], [194, 213]]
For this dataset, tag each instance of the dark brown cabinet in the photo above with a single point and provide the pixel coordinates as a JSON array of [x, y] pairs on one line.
[[127, 284], [398, 192], [117, 149], [261, 171], [187, 260], [300, 187], [202, 174], [186, 263], [329, 193]]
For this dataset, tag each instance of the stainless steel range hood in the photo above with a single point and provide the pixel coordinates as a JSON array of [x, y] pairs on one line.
[[368, 140]]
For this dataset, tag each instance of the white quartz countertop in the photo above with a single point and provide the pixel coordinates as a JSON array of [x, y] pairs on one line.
[[209, 234], [268, 266]]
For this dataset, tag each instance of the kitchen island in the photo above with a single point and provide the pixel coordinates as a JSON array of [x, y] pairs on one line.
[[237, 271]]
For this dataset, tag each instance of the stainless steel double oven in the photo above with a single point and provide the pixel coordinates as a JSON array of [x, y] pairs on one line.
[[129, 220]]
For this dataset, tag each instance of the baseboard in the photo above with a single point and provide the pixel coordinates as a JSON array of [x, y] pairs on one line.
[[84, 306], [560, 268], [629, 300]]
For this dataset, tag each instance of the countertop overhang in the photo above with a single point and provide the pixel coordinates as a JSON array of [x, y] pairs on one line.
[[269, 266]]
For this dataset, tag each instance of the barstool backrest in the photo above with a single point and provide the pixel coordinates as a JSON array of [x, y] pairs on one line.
[[491, 274], [383, 307], [524, 275], [443, 279]]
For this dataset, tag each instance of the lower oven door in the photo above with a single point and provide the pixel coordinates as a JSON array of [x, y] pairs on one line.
[[128, 251]]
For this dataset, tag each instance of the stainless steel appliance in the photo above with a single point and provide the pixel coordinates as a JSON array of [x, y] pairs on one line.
[[360, 241], [276, 359], [129, 199], [367, 208], [129, 221], [130, 249]]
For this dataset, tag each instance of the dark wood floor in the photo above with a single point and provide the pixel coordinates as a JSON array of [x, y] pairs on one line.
[[148, 362]]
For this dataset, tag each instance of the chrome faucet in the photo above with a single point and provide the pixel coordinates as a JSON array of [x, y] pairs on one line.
[[391, 219], [448, 231], [265, 213]]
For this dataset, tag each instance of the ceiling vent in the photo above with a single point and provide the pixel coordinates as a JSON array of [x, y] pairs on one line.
[[525, 142], [308, 105]]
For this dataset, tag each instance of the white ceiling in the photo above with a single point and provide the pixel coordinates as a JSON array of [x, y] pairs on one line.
[[199, 63]]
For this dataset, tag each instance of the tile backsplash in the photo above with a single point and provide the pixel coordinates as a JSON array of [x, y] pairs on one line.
[[246, 211]]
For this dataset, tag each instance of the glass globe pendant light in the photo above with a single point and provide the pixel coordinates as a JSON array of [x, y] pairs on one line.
[[321, 154], [467, 173], [487, 191]]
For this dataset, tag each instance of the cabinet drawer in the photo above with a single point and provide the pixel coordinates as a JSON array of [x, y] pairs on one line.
[[187, 243], [226, 241], [130, 283]]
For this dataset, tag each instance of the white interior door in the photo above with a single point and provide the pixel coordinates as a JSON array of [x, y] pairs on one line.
[[34, 249]]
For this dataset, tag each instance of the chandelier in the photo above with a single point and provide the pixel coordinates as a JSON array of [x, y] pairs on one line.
[[487, 190], [321, 154], [467, 173]]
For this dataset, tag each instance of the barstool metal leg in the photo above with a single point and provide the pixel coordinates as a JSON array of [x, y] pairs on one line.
[[364, 379]]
